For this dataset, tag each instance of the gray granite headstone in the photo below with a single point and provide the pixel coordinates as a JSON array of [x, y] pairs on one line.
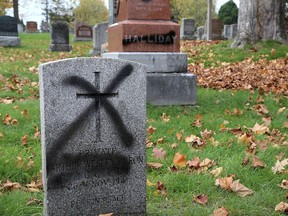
[[200, 32], [230, 31], [60, 37], [9, 32], [100, 37], [93, 117], [187, 30]]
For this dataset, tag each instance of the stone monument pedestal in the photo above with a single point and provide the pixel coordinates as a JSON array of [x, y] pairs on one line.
[[6, 41], [168, 82]]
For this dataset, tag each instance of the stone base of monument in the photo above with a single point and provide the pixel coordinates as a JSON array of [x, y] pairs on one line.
[[188, 37], [10, 41], [60, 47], [166, 62], [171, 89], [168, 82], [75, 39]]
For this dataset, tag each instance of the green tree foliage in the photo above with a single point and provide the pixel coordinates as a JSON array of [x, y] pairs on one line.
[[5, 4], [91, 12], [195, 9], [61, 10], [228, 13]]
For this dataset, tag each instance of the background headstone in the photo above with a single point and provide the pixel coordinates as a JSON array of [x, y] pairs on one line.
[[93, 124], [230, 31], [60, 37], [9, 32], [83, 32], [187, 30], [216, 25], [100, 37], [31, 27], [200, 32]]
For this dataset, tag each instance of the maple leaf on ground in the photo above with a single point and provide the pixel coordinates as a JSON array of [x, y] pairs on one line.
[[207, 163], [281, 110], [240, 189], [108, 214], [225, 182], [261, 109], [216, 172], [206, 134], [201, 199], [154, 165], [245, 139], [159, 153], [197, 123], [267, 120], [7, 119], [256, 162], [25, 114], [34, 201], [165, 117], [194, 164], [221, 212], [179, 160], [149, 183], [284, 184], [236, 131], [159, 141], [37, 133], [24, 140], [260, 129], [174, 146], [173, 169], [280, 166], [282, 207], [245, 161], [7, 100], [179, 136], [195, 141], [10, 186], [161, 188], [151, 130]]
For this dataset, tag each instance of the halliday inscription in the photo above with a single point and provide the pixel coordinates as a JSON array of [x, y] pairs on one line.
[[93, 115]]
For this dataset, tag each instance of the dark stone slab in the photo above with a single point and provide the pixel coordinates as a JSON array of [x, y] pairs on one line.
[[60, 37], [8, 26]]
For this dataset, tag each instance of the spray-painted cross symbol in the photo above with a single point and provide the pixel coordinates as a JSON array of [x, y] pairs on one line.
[[101, 100]]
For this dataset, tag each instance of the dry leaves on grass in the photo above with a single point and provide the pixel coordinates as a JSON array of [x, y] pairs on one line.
[[160, 189], [201, 199], [282, 207], [179, 160], [221, 212], [284, 184], [109, 214], [165, 117], [155, 165], [159, 153], [280, 166], [229, 184], [268, 76]]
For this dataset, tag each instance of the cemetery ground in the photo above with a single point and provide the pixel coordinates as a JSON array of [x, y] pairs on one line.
[[227, 153]]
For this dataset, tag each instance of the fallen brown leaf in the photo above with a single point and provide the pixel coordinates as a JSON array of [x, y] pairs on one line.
[[216, 172], [24, 140], [284, 184], [159, 153], [257, 163], [165, 117], [225, 182], [25, 114], [179, 160], [154, 165], [240, 189], [7, 119], [221, 212], [151, 130], [201, 199], [280, 166], [282, 207], [34, 201], [109, 214], [194, 164], [174, 146], [179, 136]]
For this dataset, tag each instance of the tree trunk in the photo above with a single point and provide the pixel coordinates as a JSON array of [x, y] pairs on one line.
[[260, 20], [16, 10]]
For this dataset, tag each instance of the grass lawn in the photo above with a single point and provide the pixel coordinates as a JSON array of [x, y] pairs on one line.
[[223, 124]]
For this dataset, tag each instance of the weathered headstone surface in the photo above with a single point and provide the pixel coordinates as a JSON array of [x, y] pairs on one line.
[[216, 25], [9, 32], [100, 37], [93, 117], [83, 32], [31, 27], [230, 31], [200, 32], [60, 37], [187, 30]]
